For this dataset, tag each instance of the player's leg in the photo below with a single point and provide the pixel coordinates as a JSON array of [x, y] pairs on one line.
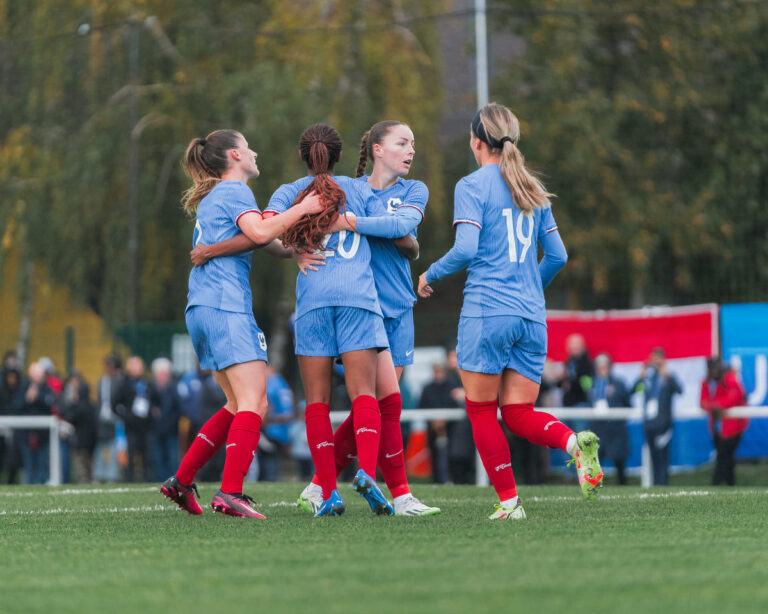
[[248, 382]]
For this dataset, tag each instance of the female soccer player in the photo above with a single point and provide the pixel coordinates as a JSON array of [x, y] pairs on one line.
[[501, 214], [337, 314], [219, 315], [390, 144]]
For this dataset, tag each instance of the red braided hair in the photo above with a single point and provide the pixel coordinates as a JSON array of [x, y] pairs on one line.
[[320, 147]]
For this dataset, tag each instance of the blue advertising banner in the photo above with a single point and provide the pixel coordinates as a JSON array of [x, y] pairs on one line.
[[744, 339]]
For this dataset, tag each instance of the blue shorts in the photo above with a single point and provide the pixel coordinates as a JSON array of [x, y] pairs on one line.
[[332, 331], [400, 336], [224, 338], [494, 343]]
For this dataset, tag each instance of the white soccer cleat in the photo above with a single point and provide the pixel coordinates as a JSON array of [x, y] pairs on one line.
[[501, 512], [411, 506], [311, 498]]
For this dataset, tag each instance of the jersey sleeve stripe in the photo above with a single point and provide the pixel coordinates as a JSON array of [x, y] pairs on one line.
[[414, 207], [473, 222], [552, 229], [237, 219]]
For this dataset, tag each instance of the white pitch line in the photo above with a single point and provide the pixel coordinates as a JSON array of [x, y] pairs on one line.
[[103, 510], [76, 491]]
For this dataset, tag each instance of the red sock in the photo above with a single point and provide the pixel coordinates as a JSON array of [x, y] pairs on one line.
[[538, 427], [211, 437], [320, 439], [367, 423], [343, 446], [391, 453], [242, 441], [492, 446]]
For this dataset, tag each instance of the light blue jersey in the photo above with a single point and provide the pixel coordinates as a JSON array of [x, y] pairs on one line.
[[223, 282], [346, 280], [392, 270], [504, 276]]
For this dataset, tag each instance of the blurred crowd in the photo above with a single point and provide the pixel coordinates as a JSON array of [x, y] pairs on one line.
[[133, 424]]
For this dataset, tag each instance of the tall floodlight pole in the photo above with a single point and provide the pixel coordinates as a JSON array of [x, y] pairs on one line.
[[481, 64], [481, 53]]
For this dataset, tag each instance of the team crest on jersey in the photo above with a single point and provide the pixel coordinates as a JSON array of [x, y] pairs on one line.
[[393, 204], [262, 341]]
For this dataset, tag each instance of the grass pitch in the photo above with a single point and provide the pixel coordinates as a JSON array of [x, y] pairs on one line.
[[127, 549]]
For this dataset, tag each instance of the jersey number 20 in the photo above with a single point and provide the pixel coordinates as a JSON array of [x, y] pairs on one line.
[[512, 231], [342, 251]]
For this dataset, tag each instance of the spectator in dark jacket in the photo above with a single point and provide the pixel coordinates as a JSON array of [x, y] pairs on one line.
[[609, 390], [578, 373], [105, 465], [77, 410], [39, 400], [132, 405], [658, 386], [720, 391], [166, 412], [437, 395], [12, 388]]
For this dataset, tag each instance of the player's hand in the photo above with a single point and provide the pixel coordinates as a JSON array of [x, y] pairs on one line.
[[308, 261], [345, 221], [425, 290], [199, 256], [312, 204]]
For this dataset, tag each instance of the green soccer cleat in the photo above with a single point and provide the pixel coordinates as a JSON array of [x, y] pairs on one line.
[[501, 512], [310, 499], [587, 463]]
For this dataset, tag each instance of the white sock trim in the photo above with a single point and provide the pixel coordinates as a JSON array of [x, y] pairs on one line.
[[510, 502], [570, 447]]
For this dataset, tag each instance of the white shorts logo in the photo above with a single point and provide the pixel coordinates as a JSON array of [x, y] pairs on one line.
[[365, 429], [408, 353], [324, 444], [503, 466], [263, 341]]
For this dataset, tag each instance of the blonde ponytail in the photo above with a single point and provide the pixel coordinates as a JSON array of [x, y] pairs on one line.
[[498, 128], [205, 160]]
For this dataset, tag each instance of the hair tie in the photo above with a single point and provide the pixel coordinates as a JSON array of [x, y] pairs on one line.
[[507, 138], [202, 142]]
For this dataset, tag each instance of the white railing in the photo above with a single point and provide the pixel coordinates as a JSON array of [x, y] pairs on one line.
[[572, 413], [41, 422], [424, 415]]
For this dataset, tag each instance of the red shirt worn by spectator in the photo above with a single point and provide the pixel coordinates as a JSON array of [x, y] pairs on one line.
[[727, 393]]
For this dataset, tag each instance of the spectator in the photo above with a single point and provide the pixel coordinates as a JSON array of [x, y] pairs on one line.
[[658, 386], [579, 371], [437, 395], [278, 423], [39, 400], [166, 411], [132, 405], [461, 445], [212, 399], [11, 404], [65, 429], [105, 467], [609, 390], [720, 391], [77, 410], [300, 448], [190, 389]]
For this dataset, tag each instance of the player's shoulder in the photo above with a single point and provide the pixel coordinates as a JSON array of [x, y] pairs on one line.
[[414, 187], [238, 189]]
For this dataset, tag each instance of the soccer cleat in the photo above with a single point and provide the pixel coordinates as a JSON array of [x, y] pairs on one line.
[[411, 506], [310, 499], [182, 495], [587, 463], [367, 488], [332, 506], [501, 512], [235, 504]]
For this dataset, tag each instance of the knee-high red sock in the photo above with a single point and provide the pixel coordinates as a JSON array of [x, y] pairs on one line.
[[391, 453], [538, 427], [367, 422], [242, 441], [211, 437], [343, 446], [493, 447], [320, 439]]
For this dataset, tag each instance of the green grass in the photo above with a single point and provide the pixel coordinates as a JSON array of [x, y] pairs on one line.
[[661, 550]]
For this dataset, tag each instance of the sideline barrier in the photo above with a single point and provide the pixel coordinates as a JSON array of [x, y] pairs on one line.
[[426, 415]]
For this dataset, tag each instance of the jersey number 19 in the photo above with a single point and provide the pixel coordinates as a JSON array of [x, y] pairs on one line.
[[512, 231]]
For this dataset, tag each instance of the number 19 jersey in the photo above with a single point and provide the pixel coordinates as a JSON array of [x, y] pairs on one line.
[[503, 277], [346, 280]]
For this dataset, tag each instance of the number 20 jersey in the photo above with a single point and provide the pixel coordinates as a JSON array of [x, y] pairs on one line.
[[346, 280], [503, 277]]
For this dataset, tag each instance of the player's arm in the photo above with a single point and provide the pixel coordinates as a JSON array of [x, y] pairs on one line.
[[307, 261], [231, 247], [554, 257], [458, 257], [262, 231], [405, 221]]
